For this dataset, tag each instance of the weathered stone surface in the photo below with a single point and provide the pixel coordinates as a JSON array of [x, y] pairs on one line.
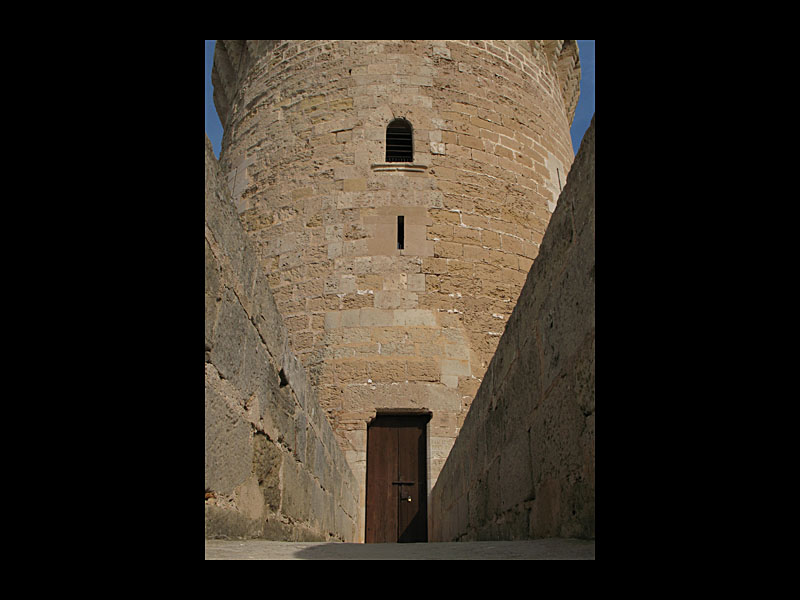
[[234, 524], [524, 458], [212, 296], [273, 468], [227, 446], [227, 350], [266, 466]]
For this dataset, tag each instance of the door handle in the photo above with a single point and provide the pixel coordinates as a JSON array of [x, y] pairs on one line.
[[403, 482]]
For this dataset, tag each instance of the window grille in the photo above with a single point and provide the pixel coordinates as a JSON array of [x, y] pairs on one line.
[[399, 141]]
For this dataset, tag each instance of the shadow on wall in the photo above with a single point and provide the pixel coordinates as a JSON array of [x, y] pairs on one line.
[[523, 463]]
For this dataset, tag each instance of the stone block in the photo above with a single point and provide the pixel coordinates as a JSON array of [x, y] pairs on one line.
[[516, 482], [349, 371], [300, 428], [455, 367], [375, 317], [435, 266], [465, 235], [448, 250], [350, 318], [267, 319], [356, 301], [247, 271], [317, 504], [416, 282], [477, 503], [459, 351], [297, 379], [505, 355], [450, 381], [583, 369], [232, 524], [440, 447], [256, 371], [296, 490], [249, 500], [266, 467], [440, 398], [227, 350], [395, 299], [521, 391], [347, 284], [546, 510], [470, 141], [490, 239], [212, 294], [476, 253], [556, 448], [395, 281], [423, 370], [413, 318], [228, 451], [335, 249], [503, 259], [333, 319], [387, 371], [566, 313]]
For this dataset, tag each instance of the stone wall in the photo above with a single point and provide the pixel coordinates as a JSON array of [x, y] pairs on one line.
[[382, 328], [273, 468], [523, 463]]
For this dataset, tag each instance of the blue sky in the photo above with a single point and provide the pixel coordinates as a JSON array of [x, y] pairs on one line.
[[213, 126], [581, 121], [585, 109]]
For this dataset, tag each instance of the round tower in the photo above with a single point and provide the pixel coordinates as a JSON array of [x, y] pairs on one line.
[[397, 193]]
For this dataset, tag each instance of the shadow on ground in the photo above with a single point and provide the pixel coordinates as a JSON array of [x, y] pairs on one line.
[[546, 549]]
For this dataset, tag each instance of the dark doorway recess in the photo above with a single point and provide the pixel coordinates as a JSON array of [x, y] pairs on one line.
[[397, 486]]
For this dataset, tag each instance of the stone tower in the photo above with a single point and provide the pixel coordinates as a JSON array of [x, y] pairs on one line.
[[397, 193]]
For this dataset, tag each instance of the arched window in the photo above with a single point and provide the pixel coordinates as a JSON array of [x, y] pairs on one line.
[[399, 141]]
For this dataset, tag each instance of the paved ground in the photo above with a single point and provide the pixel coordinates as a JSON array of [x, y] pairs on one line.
[[545, 549]]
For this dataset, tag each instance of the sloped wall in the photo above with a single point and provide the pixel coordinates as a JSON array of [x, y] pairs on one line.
[[272, 466], [523, 463]]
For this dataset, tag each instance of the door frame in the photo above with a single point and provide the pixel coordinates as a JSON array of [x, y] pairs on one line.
[[424, 417]]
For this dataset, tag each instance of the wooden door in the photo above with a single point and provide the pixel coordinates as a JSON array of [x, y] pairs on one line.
[[397, 488]]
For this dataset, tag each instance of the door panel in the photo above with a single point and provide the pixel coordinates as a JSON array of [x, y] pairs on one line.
[[412, 515], [397, 471], [381, 494]]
